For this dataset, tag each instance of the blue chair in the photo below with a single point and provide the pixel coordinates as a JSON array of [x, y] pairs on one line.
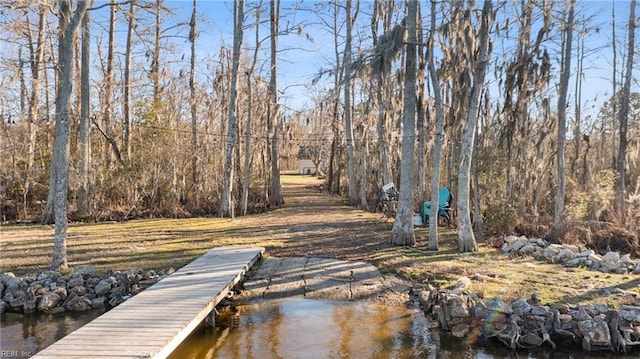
[[445, 199]]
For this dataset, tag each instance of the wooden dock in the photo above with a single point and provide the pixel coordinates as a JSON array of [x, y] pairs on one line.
[[154, 322]]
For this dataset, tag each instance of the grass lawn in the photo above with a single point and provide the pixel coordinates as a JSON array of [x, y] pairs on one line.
[[312, 223]]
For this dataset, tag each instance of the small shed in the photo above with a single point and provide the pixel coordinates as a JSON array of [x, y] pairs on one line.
[[305, 163]]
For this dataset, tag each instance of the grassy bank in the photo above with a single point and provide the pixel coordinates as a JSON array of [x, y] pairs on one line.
[[312, 223]]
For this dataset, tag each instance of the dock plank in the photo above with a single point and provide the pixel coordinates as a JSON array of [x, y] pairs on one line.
[[154, 322]]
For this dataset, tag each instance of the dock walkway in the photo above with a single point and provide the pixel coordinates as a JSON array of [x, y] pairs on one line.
[[154, 322]]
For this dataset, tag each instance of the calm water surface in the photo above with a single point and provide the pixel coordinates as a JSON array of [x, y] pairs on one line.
[[28, 334], [294, 328], [304, 328]]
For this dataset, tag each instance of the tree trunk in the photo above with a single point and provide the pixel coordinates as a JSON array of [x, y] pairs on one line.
[[155, 61], [68, 26], [439, 135], [351, 170], [614, 85], [193, 34], [108, 88], [127, 82], [36, 57], [83, 129], [624, 117], [334, 157], [381, 76], [402, 232], [577, 137], [275, 189], [247, 135], [475, 182], [421, 111], [364, 155], [466, 237], [562, 112], [226, 207]]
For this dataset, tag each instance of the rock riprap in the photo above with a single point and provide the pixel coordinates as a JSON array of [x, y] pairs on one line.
[[527, 324], [81, 290], [571, 255]]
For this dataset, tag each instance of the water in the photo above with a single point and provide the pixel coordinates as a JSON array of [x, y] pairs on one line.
[[295, 328], [303, 328], [24, 335]]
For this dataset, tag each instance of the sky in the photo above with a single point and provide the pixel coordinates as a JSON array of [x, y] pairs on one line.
[[303, 55], [306, 58]]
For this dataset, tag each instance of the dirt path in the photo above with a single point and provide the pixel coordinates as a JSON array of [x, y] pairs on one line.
[[322, 278], [324, 246], [314, 224]]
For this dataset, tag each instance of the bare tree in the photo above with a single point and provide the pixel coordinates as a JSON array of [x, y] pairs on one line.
[[383, 10], [227, 205], [421, 111], [193, 34], [439, 135], [68, 26], [565, 72], [624, 116], [466, 237], [155, 59], [334, 174], [402, 232], [36, 62], [84, 155], [110, 144], [247, 134], [128, 121], [275, 190], [348, 127]]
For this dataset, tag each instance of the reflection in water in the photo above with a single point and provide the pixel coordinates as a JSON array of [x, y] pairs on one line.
[[300, 328], [28, 334], [303, 328]]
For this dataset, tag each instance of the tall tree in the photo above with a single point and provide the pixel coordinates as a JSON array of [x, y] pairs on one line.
[[439, 135], [466, 237], [402, 232], [36, 56], [335, 129], [128, 111], [247, 134], [226, 207], [421, 111], [624, 115], [275, 190], [614, 83], [155, 60], [381, 72], [348, 129], [69, 21], [110, 144], [84, 144], [565, 72], [193, 34]]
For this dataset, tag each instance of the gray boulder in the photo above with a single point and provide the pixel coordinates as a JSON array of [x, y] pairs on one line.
[[103, 287], [75, 281], [85, 270], [48, 301], [596, 334]]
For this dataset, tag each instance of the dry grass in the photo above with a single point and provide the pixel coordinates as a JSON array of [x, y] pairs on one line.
[[314, 224]]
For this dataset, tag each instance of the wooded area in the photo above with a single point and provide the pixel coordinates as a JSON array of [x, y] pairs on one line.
[[112, 110]]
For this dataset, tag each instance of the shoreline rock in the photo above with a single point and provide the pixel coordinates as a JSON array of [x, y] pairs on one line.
[[570, 255], [526, 324], [523, 324], [81, 290]]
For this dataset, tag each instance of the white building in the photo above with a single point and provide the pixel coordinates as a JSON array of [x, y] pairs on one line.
[[305, 163]]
